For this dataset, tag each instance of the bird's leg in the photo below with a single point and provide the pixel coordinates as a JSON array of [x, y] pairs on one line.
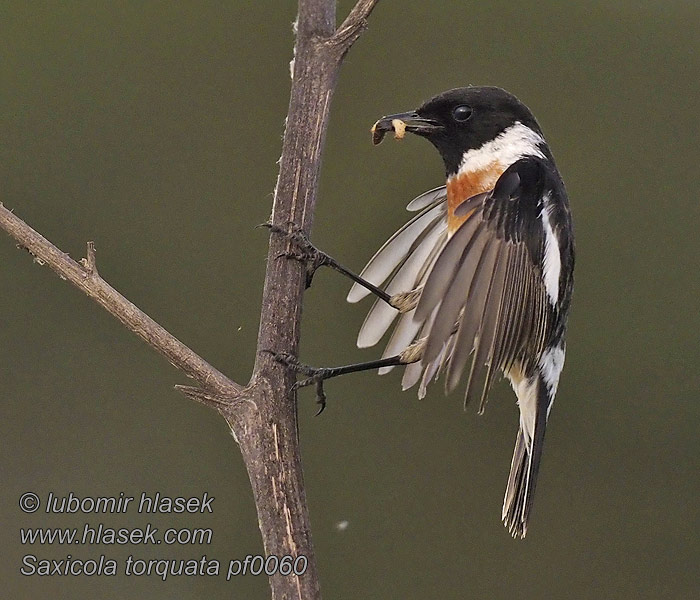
[[317, 375], [313, 258]]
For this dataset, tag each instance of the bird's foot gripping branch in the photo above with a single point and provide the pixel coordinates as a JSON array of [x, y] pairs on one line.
[[303, 250], [317, 375]]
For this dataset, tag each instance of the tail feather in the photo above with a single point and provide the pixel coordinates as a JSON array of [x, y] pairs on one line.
[[524, 468]]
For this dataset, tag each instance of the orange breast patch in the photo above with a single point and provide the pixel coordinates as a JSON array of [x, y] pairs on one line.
[[463, 186]]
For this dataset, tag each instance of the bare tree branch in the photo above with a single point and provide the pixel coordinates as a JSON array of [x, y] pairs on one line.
[[86, 278], [354, 24], [261, 416]]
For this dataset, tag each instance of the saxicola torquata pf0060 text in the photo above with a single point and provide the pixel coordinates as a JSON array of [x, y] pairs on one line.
[[482, 275]]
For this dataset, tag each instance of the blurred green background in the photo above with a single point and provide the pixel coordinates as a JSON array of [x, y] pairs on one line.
[[154, 129]]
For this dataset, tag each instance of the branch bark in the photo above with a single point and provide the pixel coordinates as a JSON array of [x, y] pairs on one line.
[[262, 416], [319, 52]]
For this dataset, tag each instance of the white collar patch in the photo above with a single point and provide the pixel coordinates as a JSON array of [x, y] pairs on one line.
[[511, 145]]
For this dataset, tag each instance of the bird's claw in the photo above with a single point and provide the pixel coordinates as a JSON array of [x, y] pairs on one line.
[[317, 381], [304, 251], [291, 226], [315, 376]]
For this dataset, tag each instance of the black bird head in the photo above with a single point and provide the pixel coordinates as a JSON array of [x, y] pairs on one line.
[[459, 120]]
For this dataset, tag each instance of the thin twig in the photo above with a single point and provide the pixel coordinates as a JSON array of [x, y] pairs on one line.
[[90, 263], [354, 24]]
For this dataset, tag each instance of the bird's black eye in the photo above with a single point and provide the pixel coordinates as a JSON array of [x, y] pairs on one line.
[[462, 113]]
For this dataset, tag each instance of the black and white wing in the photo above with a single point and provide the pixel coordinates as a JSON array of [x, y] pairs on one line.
[[491, 295]]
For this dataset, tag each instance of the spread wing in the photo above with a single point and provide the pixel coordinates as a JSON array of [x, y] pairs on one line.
[[486, 296], [403, 262]]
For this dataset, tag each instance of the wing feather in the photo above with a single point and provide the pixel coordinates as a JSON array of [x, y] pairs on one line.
[[395, 250], [438, 194], [455, 293], [484, 340], [446, 267], [404, 333], [473, 314], [488, 344], [407, 277], [411, 375]]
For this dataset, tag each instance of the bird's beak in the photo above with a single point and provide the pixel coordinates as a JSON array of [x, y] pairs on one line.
[[402, 122]]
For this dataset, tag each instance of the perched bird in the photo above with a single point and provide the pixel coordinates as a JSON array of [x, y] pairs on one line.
[[483, 273]]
